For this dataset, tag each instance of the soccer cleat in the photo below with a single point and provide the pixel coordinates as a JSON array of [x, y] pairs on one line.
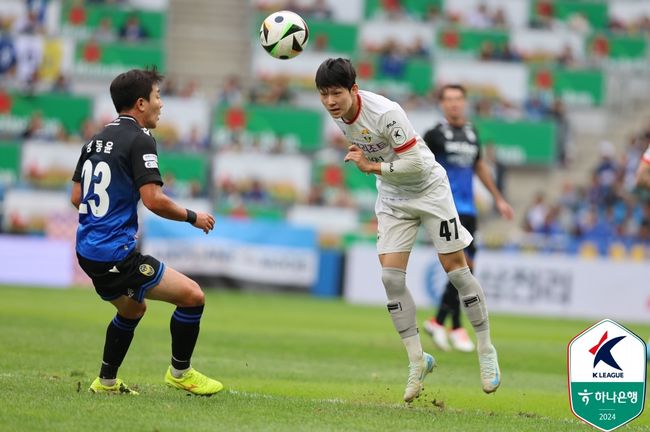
[[417, 372], [118, 388], [460, 340], [490, 373], [438, 333], [194, 382]]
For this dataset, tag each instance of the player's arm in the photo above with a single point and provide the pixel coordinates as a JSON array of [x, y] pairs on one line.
[[398, 132], [75, 194], [155, 200], [410, 162], [483, 173], [146, 176], [643, 171]]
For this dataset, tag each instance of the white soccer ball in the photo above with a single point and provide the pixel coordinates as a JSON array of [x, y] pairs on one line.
[[284, 34]]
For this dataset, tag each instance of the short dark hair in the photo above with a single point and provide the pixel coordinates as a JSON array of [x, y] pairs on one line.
[[444, 88], [130, 86], [336, 73]]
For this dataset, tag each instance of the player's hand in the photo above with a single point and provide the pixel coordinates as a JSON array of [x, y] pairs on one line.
[[355, 154], [204, 221], [505, 209]]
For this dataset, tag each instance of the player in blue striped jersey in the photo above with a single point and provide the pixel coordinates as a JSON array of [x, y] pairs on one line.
[[456, 146], [117, 168]]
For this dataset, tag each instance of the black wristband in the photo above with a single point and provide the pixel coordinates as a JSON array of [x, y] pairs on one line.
[[191, 216]]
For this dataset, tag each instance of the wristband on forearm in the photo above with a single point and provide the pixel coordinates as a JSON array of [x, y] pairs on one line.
[[191, 216]]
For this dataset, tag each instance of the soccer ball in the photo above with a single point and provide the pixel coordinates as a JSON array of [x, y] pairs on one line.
[[284, 34]]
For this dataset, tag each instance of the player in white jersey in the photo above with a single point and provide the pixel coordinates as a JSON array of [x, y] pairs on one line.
[[413, 190]]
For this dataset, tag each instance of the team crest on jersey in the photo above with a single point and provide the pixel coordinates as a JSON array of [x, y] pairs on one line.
[[398, 135], [146, 270], [365, 134]]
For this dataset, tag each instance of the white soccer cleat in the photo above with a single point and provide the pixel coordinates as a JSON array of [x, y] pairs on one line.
[[417, 372], [460, 340], [438, 334], [490, 372]]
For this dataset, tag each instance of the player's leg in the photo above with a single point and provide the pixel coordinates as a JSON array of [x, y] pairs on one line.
[[458, 335], [178, 289], [110, 284], [472, 300], [396, 234], [119, 334], [450, 238]]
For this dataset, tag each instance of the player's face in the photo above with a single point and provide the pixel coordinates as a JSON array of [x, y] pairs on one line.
[[340, 102], [453, 105], [152, 108]]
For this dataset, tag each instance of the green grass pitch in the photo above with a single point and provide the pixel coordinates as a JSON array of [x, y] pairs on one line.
[[289, 362]]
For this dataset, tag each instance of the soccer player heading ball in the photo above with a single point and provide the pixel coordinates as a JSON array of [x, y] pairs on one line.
[[413, 190], [117, 168]]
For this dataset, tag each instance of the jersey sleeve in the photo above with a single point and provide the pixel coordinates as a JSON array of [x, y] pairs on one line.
[[435, 140], [144, 161], [398, 131]]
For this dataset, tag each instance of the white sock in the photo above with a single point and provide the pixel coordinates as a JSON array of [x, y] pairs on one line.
[[108, 382], [177, 373], [483, 342], [413, 348]]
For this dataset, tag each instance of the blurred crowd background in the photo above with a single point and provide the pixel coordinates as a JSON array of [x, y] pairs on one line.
[[558, 90]]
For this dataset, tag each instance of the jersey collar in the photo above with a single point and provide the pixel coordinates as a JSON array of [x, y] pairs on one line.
[[356, 116]]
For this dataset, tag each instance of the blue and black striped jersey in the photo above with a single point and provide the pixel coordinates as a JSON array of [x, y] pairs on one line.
[[111, 169], [457, 149]]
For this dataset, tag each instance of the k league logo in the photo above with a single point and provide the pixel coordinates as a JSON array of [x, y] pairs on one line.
[[607, 375]]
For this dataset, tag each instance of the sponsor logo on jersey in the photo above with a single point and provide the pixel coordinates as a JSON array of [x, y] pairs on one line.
[[130, 293], [146, 270], [150, 157], [151, 164]]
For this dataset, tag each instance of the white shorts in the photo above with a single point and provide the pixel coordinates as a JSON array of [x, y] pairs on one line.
[[399, 218]]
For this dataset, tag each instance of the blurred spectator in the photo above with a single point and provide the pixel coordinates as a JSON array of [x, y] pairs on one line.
[[479, 18], [132, 30], [499, 19], [36, 128], [231, 93], [29, 24], [535, 216], [7, 49], [392, 62], [534, 106], [61, 84], [105, 32], [543, 14], [195, 141], [578, 22], [566, 57], [563, 130], [29, 55], [320, 10], [168, 87]]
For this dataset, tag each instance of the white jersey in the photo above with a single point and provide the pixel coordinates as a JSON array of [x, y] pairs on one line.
[[382, 130]]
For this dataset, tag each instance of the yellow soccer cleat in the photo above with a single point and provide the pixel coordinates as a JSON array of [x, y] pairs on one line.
[[118, 388], [194, 382]]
